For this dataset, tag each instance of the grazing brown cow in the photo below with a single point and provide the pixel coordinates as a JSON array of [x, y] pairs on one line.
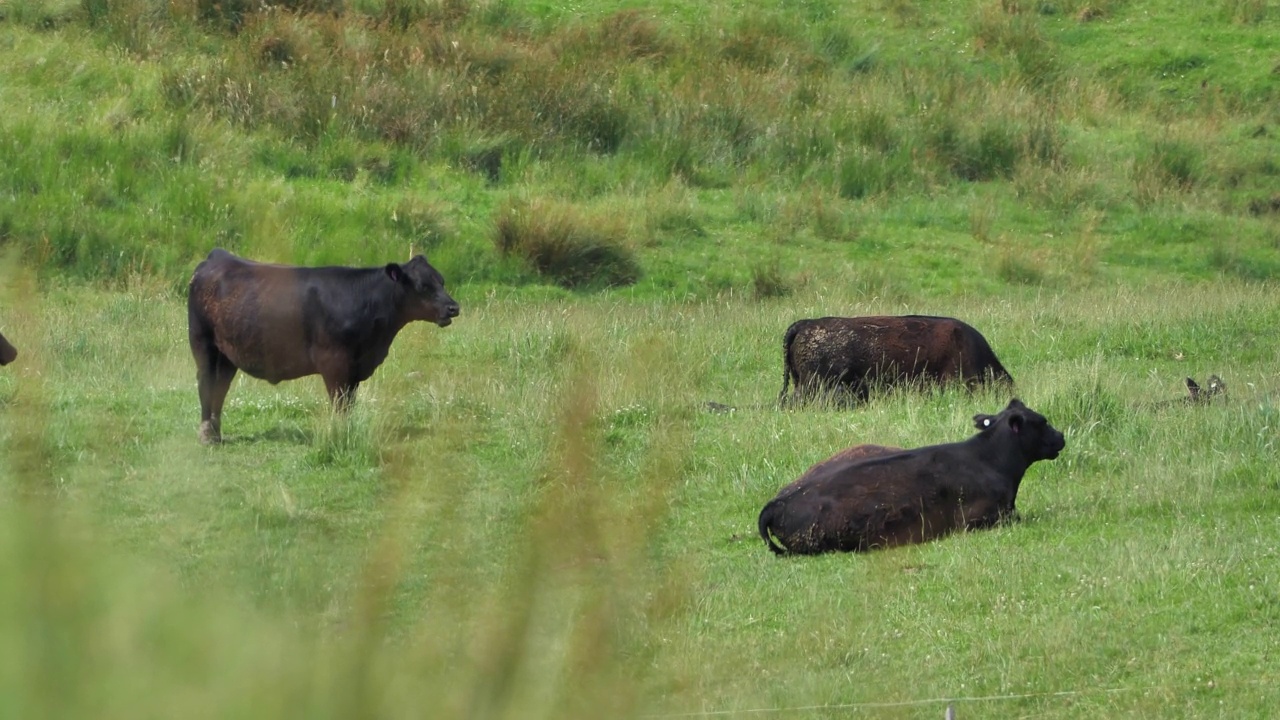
[[279, 322], [8, 353], [851, 355], [912, 496]]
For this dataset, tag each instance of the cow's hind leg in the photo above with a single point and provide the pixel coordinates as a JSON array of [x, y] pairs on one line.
[[214, 373]]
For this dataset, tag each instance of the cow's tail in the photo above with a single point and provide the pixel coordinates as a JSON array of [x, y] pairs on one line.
[[787, 371], [766, 520]]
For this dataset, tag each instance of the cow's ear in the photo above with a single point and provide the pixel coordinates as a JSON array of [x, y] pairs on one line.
[[982, 422], [395, 272], [1015, 422]]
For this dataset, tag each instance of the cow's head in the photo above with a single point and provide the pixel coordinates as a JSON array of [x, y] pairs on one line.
[[425, 295], [1031, 431], [7, 352]]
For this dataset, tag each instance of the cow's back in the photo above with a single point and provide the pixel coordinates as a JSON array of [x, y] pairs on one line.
[[860, 503], [958, 350], [253, 313], [879, 500]]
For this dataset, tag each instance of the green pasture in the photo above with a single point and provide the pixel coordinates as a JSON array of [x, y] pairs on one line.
[[534, 513]]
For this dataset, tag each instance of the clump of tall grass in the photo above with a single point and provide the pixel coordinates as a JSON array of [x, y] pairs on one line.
[[1166, 165], [564, 244], [982, 217], [627, 35], [767, 281], [866, 173], [426, 223], [1245, 12], [358, 437], [1003, 28], [38, 14], [1086, 406], [1230, 259], [1019, 266]]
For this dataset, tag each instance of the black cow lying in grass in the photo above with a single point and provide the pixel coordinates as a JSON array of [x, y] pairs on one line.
[[851, 355], [8, 353], [278, 322], [864, 502]]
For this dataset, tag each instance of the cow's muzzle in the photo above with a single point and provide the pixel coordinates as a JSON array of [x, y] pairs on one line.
[[450, 312]]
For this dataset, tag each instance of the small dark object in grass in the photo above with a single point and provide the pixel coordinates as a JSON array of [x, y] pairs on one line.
[[8, 353], [1214, 388]]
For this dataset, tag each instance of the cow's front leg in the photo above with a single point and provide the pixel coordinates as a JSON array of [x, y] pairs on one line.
[[980, 515], [335, 367]]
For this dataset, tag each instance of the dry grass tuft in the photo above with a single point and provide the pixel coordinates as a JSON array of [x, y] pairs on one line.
[[566, 245]]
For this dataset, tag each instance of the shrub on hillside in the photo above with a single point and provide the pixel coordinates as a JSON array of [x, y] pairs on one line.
[[1176, 162], [767, 281], [1006, 30], [989, 147], [1165, 166], [565, 245], [866, 173]]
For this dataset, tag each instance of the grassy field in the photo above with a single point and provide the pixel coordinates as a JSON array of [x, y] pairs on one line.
[[532, 513]]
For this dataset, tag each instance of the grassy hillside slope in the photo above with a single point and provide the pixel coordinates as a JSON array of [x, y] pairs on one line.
[[761, 147]]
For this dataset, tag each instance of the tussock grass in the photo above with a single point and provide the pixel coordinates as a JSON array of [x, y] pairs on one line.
[[359, 105], [566, 245]]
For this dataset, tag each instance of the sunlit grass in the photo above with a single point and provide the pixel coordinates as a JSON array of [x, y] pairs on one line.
[[532, 513], [535, 512]]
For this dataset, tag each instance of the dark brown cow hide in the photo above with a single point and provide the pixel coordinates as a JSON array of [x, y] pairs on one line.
[[851, 355], [8, 353]]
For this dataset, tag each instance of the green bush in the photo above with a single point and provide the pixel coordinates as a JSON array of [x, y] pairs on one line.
[[767, 281], [565, 245], [866, 173]]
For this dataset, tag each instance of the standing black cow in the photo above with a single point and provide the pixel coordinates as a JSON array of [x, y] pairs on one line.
[[853, 354], [8, 353], [279, 322], [912, 496]]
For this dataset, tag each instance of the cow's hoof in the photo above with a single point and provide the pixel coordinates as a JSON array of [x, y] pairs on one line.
[[209, 435]]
